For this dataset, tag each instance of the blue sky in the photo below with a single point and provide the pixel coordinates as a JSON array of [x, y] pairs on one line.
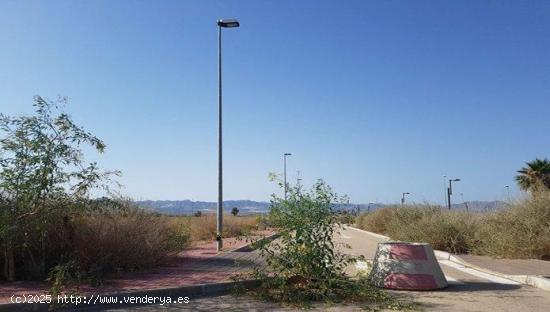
[[376, 97]]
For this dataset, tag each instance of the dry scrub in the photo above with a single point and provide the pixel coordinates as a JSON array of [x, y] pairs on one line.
[[204, 227], [522, 231], [110, 242]]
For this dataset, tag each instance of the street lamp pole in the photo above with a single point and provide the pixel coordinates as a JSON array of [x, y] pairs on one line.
[[403, 198], [445, 188], [450, 191], [298, 181], [368, 207], [508, 190], [284, 174], [463, 201], [222, 23]]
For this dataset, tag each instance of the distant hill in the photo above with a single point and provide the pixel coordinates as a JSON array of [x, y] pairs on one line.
[[189, 207], [481, 206]]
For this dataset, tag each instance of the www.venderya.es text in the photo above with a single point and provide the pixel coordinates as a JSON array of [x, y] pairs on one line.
[[98, 299]]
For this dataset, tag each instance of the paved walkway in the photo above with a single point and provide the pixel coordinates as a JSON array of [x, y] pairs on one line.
[[503, 266], [510, 266], [198, 265], [466, 292]]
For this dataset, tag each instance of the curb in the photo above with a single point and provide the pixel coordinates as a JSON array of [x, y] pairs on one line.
[[531, 280], [248, 246], [370, 233]]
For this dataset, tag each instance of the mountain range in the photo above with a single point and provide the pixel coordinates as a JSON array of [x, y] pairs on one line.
[[189, 207]]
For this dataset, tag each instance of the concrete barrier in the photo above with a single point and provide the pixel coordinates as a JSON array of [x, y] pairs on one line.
[[410, 266]]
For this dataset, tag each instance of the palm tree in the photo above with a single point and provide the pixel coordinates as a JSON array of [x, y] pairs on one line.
[[534, 176]]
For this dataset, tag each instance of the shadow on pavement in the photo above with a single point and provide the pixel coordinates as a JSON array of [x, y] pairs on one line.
[[479, 286]]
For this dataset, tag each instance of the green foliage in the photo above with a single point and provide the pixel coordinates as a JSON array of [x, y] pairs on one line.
[[43, 180], [306, 226], [63, 274], [304, 264], [235, 211], [535, 176], [179, 238]]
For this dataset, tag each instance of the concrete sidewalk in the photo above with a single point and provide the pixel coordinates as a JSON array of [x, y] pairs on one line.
[[531, 272], [509, 266], [198, 265]]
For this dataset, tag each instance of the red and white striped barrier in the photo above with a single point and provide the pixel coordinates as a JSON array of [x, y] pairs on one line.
[[410, 266]]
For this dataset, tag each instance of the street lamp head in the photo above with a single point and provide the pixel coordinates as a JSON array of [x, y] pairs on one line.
[[456, 180], [228, 23], [288, 154]]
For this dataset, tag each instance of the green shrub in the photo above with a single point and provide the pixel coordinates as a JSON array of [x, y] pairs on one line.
[[305, 264], [44, 178]]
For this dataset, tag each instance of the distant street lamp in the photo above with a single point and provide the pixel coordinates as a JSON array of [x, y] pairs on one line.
[[403, 198], [508, 188], [222, 23], [368, 207], [445, 189], [284, 174], [450, 191], [465, 203]]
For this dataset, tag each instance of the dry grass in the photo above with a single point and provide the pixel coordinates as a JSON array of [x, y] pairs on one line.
[[115, 241], [109, 242], [204, 227], [522, 231], [375, 221]]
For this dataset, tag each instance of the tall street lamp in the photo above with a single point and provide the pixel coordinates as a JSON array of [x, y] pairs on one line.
[[222, 23], [284, 174], [450, 191], [508, 190], [403, 198], [298, 181]]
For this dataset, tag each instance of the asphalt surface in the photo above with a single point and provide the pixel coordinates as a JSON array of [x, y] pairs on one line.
[[467, 291]]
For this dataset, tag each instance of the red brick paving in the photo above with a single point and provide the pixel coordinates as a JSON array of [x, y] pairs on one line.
[[200, 264]]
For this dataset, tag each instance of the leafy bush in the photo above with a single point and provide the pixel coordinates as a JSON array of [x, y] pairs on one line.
[[48, 223], [305, 264], [43, 180]]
